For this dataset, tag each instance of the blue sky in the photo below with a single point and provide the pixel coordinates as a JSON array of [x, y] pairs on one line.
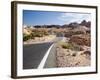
[[48, 18]]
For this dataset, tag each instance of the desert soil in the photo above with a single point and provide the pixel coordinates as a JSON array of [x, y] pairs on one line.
[[72, 58]]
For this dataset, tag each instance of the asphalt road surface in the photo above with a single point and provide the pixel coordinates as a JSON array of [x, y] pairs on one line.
[[33, 54]]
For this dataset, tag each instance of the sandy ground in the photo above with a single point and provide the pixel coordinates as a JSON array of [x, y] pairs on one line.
[[70, 58], [44, 39]]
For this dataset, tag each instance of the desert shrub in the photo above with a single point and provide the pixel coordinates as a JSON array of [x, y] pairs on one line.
[[87, 53], [26, 37], [36, 33], [66, 45], [76, 47], [74, 54], [88, 31], [63, 45], [45, 32], [71, 46], [81, 49], [32, 35], [39, 32]]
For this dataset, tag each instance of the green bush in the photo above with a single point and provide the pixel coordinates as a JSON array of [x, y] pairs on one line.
[[66, 45], [26, 37], [70, 46]]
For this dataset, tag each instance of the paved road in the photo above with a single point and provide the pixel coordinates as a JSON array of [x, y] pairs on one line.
[[51, 60], [33, 54]]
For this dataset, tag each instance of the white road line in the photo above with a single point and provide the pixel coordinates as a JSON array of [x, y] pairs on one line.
[[42, 63]]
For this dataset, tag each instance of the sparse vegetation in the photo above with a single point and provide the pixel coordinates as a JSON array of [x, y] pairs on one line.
[[35, 33], [66, 45], [71, 46], [26, 37], [71, 49]]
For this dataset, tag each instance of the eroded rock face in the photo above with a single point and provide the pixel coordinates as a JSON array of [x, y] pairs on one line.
[[80, 40]]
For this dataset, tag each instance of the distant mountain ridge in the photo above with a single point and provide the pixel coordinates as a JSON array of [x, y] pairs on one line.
[[70, 25]]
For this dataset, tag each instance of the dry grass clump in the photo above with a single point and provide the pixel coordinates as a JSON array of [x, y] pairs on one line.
[[71, 46]]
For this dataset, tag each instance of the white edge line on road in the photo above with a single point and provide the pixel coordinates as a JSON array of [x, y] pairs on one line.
[[42, 63]]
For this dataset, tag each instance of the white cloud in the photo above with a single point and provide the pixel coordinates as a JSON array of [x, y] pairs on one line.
[[74, 17]]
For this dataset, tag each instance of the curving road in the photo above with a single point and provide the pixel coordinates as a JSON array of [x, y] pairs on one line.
[[33, 54]]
